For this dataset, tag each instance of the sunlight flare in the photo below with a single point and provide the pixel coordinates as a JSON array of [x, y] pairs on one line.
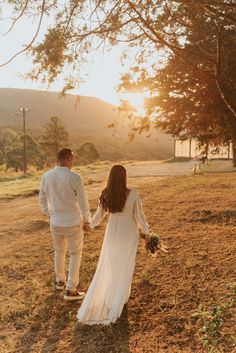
[[136, 99]]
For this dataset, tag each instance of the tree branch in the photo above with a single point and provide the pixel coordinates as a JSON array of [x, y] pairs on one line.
[[175, 17], [179, 51], [70, 16], [159, 39], [207, 2], [99, 31], [17, 18], [215, 12], [33, 39], [217, 76]]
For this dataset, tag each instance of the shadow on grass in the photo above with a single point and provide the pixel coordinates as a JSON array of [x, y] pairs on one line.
[[48, 328], [45, 327], [102, 339]]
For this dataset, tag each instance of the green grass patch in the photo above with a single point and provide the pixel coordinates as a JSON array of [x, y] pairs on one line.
[[212, 320], [17, 184], [20, 186]]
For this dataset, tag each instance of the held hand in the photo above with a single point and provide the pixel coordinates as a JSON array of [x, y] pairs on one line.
[[87, 227]]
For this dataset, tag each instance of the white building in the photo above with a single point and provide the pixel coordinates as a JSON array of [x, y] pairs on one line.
[[190, 149]]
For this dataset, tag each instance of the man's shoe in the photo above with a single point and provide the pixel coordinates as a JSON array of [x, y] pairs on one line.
[[60, 285], [73, 295]]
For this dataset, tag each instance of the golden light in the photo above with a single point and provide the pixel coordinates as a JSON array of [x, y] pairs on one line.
[[136, 99]]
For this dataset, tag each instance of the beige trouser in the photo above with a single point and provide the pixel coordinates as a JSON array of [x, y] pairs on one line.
[[70, 238]]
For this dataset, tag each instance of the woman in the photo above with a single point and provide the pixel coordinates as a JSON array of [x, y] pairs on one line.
[[110, 287]]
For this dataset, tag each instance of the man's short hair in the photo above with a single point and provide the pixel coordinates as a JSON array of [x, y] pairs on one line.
[[64, 154]]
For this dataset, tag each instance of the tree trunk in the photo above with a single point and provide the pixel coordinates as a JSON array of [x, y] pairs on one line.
[[207, 150], [218, 72], [234, 153]]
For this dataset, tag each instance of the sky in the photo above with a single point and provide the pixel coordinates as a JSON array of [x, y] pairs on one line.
[[100, 82], [103, 70]]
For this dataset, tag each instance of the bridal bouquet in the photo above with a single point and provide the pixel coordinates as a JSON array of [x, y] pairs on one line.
[[154, 243]]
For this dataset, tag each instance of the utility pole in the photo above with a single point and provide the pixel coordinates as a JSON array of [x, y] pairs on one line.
[[24, 110]]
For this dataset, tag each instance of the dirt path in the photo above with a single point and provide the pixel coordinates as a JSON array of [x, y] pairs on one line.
[[151, 169], [197, 220]]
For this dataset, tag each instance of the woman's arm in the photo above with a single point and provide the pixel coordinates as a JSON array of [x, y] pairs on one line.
[[139, 215], [98, 216]]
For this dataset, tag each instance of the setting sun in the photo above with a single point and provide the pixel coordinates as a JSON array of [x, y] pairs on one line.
[[136, 99]]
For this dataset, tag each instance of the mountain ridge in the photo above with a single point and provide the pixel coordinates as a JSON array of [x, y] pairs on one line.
[[88, 121]]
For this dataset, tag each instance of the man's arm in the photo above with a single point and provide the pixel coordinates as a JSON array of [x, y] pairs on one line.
[[43, 201], [83, 201]]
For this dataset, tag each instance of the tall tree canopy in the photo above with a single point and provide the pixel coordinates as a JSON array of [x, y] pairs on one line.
[[86, 153], [14, 154], [54, 137], [77, 27], [181, 51]]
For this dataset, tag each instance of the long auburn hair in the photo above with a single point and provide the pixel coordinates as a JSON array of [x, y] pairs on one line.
[[114, 195]]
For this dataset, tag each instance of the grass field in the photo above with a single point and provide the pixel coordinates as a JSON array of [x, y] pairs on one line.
[[14, 184], [196, 218]]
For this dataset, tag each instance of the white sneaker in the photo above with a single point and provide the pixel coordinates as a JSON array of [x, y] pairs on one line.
[[73, 295]]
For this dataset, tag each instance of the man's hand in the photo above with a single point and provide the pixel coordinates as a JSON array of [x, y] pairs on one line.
[[87, 227]]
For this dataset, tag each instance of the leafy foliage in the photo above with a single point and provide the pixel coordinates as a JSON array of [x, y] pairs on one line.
[[11, 149], [54, 137], [213, 320], [8, 140], [182, 53], [87, 153]]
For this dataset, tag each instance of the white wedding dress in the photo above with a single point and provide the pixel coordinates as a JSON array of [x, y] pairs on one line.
[[110, 287]]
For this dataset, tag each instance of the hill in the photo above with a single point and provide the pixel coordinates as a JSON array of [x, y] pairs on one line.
[[86, 118]]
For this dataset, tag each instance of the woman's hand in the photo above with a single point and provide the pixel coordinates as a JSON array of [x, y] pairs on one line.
[[147, 239]]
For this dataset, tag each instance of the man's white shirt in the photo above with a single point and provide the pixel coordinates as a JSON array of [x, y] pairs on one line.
[[63, 198]]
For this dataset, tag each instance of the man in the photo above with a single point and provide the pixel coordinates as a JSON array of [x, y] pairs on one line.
[[62, 197]]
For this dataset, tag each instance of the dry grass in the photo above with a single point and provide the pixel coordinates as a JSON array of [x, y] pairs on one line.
[[219, 166], [19, 186], [14, 184], [196, 218]]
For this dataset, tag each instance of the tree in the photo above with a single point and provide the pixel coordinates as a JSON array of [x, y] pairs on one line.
[[14, 159], [8, 140], [189, 106], [54, 137], [150, 26], [198, 33], [87, 153], [15, 155], [32, 150], [186, 100]]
